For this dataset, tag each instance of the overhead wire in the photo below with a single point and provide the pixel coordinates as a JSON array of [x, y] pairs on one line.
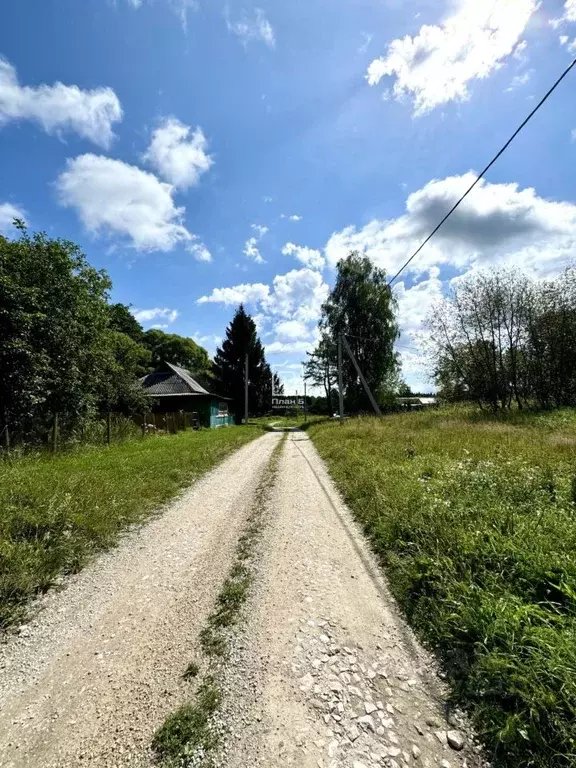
[[486, 169]]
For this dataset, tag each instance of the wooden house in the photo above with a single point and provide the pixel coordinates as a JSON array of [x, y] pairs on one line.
[[172, 389]]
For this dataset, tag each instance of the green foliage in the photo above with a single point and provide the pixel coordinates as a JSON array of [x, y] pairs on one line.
[[52, 316], [188, 728], [474, 519], [507, 341], [362, 307], [320, 370], [178, 350], [57, 511], [229, 367], [121, 319], [63, 348]]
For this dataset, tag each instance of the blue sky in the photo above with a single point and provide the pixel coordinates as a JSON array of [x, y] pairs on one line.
[[207, 153]]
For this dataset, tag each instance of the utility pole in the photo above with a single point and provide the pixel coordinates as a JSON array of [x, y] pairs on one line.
[[340, 384], [362, 379], [246, 390], [305, 404]]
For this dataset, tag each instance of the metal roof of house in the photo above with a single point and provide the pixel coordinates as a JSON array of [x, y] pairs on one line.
[[173, 381]]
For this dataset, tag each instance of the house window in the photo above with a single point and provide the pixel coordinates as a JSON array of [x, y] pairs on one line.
[[222, 409]]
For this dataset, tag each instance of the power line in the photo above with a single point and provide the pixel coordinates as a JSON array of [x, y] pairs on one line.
[[490, 164]]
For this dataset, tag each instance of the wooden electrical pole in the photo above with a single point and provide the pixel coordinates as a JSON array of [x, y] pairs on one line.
[[340, 382], [362, 379], [246, 391]]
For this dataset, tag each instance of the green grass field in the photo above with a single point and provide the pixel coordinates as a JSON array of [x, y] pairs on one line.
[[57, 511], [474, 520]]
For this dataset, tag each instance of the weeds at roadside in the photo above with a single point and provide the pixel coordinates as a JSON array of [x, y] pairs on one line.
[[476, 528], [189, 735], [56, 512]]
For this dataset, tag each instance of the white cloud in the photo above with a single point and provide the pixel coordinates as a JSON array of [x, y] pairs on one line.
[[291, 306], [520, 52], [366, 44], [208, 341], [496, 224], [255, 29], [247, 293], [200, 252], [436, 66], [289, 348], [519, 80], [568, 16], [570, 45], [414, 304], [59, 108], [178, 153], [291, 330], [180, 8], [570, 10], [145, 315], [8, 213], [121, 199], [294, 217], [297, 295], [251, 250], [308, 256]]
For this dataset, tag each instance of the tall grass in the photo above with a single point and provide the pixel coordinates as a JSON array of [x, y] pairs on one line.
[[474, 520], [57, 511]]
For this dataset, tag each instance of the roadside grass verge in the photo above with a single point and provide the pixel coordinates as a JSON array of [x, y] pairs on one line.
[[190, 736], [474, 519], [58, 511]]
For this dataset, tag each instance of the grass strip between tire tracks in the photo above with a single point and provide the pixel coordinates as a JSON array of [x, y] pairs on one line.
[[189, 736]]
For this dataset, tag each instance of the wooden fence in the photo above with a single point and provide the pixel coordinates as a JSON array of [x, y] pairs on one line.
[[113, 428]]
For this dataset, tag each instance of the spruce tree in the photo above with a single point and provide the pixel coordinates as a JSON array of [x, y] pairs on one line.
[[229, 362]]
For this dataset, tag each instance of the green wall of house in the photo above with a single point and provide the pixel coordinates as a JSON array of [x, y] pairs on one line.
[[212, 412]]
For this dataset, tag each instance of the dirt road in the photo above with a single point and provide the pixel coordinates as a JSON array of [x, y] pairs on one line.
[[323, 671]]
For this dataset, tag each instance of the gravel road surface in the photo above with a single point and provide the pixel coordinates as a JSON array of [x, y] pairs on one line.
[[90, 679], [323, 671], [326, 674]]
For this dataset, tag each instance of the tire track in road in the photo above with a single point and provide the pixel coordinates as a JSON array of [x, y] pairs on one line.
[[326, 673], [103, 664]]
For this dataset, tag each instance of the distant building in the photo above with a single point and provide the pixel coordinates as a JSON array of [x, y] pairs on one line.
[[173, 389], [416, 403]]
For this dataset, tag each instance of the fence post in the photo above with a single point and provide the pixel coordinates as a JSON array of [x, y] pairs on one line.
[[143, 425], [55, 433], [6, 428]]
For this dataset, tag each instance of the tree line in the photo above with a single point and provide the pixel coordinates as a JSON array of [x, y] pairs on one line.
[[499, 338], [505, 340], [66, 350]]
